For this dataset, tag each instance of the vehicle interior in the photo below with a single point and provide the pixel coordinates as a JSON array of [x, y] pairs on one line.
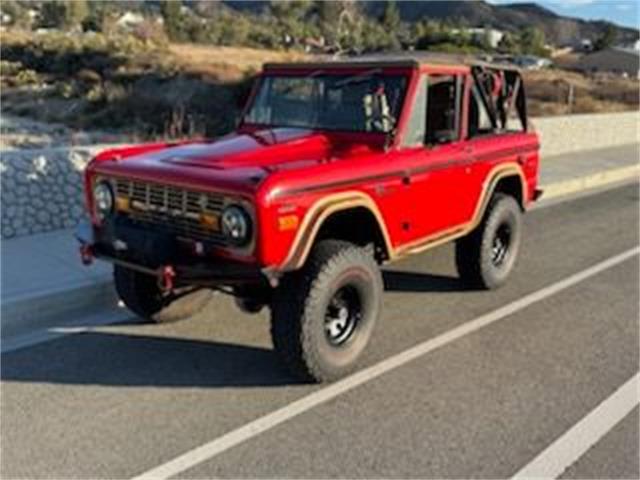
[[443, 102]]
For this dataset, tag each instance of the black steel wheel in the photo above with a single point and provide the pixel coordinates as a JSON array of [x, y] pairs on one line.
[[501, 244], [323, 316], [486, 257], [342, 316]]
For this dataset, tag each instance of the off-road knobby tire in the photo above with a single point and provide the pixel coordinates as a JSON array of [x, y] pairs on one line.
[[473, 252], [140, 294], [299, 306]]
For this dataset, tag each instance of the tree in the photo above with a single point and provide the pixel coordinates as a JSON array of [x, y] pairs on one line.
[[52, 14], [290, 19], [18, 14], [428, 33], [607, 39], [373, 36], [391, 23], [171, 11], [391, 17], [509, 44], [76, 12], [532, 41], [64, 14], [329, 13]]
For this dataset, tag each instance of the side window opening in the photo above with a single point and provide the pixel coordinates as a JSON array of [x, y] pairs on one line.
[[443, 109], [497, 104], [512, 105], [479, 119]]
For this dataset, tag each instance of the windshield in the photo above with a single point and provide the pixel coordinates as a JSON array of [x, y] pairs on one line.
[[366, 102]]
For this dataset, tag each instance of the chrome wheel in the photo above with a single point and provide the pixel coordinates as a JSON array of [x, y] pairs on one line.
[[343, 315]]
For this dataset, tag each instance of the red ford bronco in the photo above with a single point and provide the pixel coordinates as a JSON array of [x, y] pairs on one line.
[[334, 169]]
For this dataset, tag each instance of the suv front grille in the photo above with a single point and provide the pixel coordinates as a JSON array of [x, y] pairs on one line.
[[186, 213]]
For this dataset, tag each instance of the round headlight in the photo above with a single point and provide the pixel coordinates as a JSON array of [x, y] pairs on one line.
[[103, 199], [236, 225]]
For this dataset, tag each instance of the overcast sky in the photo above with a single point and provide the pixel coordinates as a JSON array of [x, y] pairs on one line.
[[622, 12]]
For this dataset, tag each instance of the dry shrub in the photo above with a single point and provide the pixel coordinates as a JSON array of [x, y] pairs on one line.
[[589, 104], [546, 109], [548, 93]]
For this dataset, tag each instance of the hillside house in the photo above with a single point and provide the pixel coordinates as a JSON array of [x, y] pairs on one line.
[[490, 35], [130, 20]]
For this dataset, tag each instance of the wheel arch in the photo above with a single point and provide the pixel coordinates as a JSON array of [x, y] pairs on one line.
[[358, 225], [335, 217], [507, 178], [511, 184]]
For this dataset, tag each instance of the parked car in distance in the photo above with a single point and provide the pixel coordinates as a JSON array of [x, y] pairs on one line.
[[334, 169]]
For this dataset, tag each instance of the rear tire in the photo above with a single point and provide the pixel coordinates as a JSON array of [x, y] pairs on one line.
[[486, 257], [323, 316], [141, 294]]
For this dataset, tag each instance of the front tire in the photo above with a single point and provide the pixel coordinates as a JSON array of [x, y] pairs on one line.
[[324, 315], [141, 294], [486, 257]]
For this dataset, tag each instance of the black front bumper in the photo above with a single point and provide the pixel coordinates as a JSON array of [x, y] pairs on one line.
[[157, 253]]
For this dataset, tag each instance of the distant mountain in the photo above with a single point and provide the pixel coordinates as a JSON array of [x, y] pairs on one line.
[[558, 29]]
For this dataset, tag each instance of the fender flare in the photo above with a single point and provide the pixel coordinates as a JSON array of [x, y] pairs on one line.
[[491, 182], [318, 213]]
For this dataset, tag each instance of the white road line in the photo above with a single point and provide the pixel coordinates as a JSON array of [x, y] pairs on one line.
[[88, 323], [562, 453], [267, 422]]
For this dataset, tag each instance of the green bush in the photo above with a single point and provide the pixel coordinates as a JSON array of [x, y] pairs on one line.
[[62, 55], [9, 69], [26, 77]]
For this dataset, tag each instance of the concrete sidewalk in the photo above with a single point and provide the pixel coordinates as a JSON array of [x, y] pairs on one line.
[[574, 172], [43, 279], [44, 282]]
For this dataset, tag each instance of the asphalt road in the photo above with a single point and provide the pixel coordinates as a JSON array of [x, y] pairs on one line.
[[119, 401]]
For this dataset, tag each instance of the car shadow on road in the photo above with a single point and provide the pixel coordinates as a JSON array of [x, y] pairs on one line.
[[138, 360], [115, 359], [399, 281]]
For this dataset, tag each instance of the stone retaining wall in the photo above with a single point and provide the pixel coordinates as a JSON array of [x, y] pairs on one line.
[[42, 189]]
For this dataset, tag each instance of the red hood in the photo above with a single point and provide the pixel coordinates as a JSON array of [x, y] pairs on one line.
[[238, 160]]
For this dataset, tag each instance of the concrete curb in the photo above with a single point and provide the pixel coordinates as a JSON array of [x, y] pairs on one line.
[[589, 182], [61, 306]]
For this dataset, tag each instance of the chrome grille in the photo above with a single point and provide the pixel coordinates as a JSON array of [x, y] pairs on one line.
[[175, 209]]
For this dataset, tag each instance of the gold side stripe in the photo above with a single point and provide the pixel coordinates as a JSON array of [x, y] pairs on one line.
[[330, 204]]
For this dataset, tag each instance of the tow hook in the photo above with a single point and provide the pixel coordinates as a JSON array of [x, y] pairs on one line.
[[86, 255], [165, 281]]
